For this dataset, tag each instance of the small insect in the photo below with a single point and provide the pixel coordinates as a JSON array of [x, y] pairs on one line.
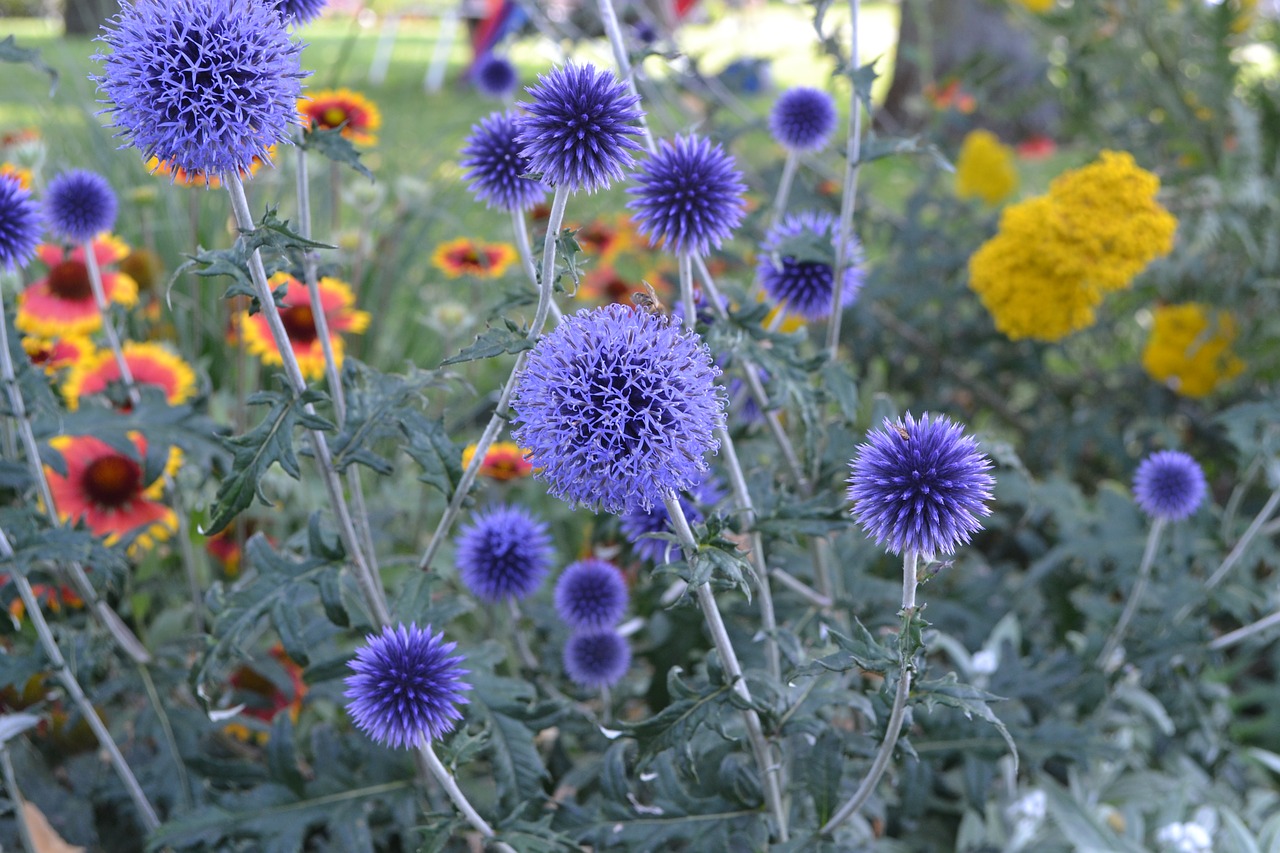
[[902, 431], [648, 301]]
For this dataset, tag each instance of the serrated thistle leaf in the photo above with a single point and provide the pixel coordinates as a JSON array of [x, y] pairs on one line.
[[330, 143], [674, 726], [430, 446], [517, 765], [270, 442], [806, 247], [950, 692], [491, 342], [381, 407], [857, 651], [10, 52]]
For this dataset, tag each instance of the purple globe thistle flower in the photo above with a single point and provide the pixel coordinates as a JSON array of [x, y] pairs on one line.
[[202, 85], [596, 659], [299, 12], [19, 223], [802, 118], [796, 265], [617, 407], [639, 522], [494, 76], [920, 485], [495, 167], [79, 204], [1169, 485], [577, 131], [688, 194], [504, 553], [591, 595], [406, 687]]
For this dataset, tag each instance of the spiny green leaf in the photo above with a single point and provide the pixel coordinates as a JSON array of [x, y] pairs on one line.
[[859, 651], [430, 446], [950, 692], [674, 726], [274, 234], [270, 442], [10, 52], [492, 342], [381, 407], [330, 143]]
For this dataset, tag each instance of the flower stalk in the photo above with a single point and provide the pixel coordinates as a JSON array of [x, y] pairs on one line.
[[450, 786], [1135, 594], [366, 578], [770, 770], [853, 157], [897, 712], [545, 284], [1237, 552], [63, 673]]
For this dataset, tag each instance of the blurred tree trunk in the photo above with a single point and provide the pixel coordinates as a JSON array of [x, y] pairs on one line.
[[981, 45], [85, 17]]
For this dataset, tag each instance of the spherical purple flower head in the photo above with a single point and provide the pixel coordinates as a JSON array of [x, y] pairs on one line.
[[79, 204], [495, 167], [504, 553], [1169, 485], [639, 522], [494, 76], [802, 118], [406, 686], [796, 265], [596, 659], [618, 406], [688, 194], [19, 223], [203, 85], [578, 130], [920, 485], [591, 595], [299, 12]]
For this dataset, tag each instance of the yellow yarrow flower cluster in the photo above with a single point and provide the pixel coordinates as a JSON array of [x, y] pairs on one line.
[[1190, 348], [985, 168], [1037, 6], [1057, 255]]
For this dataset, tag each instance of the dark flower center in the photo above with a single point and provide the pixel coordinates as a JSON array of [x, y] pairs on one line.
[[333, 116], [70, 280], [112, 481], [41, 356], [299, 323]]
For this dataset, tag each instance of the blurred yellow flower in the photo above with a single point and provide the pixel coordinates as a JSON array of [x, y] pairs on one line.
[[985, 168], [1037, 6], [1189, 348], [1057, 255]]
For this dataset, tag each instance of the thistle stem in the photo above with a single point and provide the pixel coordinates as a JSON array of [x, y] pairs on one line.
[[1135, 594], [1238, 551], [185, 550], [609, 18], [527, 659], [450, 785], [545, 284], [366, 578], [59, 665], [853, 156], [897, 713], [107, 617], [686, 290], [332, 375], [770, 771], [1240, 634], [798, 586], [789, 169], [19, 804]]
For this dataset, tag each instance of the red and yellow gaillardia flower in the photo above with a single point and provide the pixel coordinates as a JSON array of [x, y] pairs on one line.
[[183, 178], [61, 304], [466, 257], [16, 173], [338, 303], [358, 116], [53, 354], [104, 488], [504, 461], [150, 364], [264, 697], [50, 597], [604, 240]]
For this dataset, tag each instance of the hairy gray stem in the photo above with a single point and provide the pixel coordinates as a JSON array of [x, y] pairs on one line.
[[1135, 594], [59, 665], [369, 582], [853, 156], [897, 713]]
